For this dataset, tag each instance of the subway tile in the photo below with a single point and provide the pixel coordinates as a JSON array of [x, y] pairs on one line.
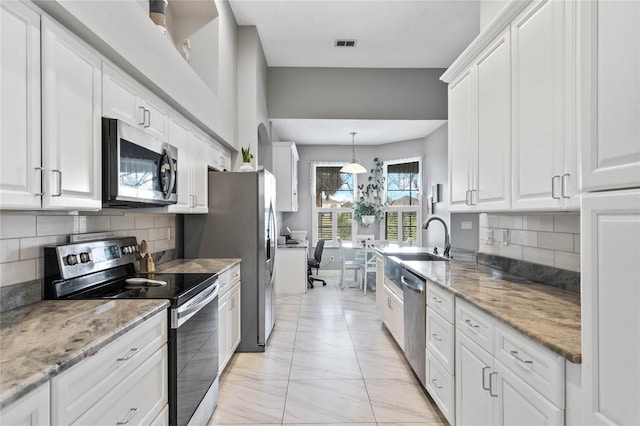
[[555, 241], [55, 225], [498, 235], [538, 223], [510, 251], [576, 243], [32, 248], [85, 224], [482, 233], [158, 234], [17, 226], [538, 255], [524, 238], [163, 221], [570, 261], [492, 221], [143, 222], [140, 234], [488, 249], [9, 250], [569, 223], [511, 222], [122, 223], [17, 272], [162, 245]]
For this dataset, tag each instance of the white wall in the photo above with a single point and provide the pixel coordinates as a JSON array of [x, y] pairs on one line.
[[433, 149], [357, 93], [489, 9], [252, 91]]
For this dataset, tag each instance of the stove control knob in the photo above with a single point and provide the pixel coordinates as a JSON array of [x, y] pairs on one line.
[[84, 257], [72, 259], [126, 250]]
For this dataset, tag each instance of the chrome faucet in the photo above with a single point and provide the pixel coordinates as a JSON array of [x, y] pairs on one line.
[[447, 246]]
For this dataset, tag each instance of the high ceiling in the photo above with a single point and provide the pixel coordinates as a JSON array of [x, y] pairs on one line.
[[388, 34]]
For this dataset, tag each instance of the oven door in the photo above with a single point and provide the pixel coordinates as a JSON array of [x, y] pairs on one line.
[[193, 358], [138, 169]]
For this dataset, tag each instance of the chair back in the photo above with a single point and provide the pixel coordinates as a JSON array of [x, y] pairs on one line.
[[317, 254], [340, 249]]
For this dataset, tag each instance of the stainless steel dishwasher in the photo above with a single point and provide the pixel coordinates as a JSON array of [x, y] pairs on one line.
[[415, 301]]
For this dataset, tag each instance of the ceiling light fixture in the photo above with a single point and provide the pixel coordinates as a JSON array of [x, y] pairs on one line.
[[354, 166]]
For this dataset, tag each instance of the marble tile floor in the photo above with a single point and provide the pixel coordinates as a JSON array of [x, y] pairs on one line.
[[329, 362]]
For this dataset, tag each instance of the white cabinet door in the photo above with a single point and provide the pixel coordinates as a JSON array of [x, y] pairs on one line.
[[120, 97], [610, 316], [199, 173], [474, 365], [397, 318], [519, 404], [234, 319], [462, 113], [223, 332], [610, 90], [20, 172], [492, 186], [31, 410], [180, 137], [285, 166], [155, 120], [71, 121], [380, 297], [538, 109]]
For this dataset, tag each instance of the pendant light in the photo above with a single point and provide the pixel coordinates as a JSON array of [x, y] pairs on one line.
[[354, 166]]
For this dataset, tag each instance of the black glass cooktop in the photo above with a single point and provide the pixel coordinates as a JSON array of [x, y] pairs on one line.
[[179, 288]]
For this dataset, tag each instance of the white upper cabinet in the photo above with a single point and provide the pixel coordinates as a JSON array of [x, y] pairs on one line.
[[71, 121], [20, 164], [492, 186], [461, 142], [285, 168], [610, 232], [195, 155], [609, 124], [128, 101], [544, 154], [480, 132]]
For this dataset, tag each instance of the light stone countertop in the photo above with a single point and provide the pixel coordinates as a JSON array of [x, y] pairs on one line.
[[197, 266], [546, 314], [41, 340], [301, 244]]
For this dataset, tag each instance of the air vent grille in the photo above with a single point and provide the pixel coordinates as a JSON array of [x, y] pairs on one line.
[[346, 43]]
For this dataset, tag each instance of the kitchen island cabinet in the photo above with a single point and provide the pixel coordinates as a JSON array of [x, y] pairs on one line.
[[291, 269]]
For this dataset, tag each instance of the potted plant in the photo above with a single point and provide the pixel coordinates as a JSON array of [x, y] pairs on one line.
[[369, 208], [247, 156]]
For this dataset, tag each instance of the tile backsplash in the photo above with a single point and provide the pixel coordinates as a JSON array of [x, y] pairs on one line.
[[23, 236], [547, 239]]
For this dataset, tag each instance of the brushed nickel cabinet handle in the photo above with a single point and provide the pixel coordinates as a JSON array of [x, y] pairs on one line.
[[491, 384], [553, 186], [470, 324], [59, 172], [128, 356], [132, 412], [517, 356], [41, 170], [564, 186], [141, 108], [436, 338], [435, 383], [484, 386], [147, 118]]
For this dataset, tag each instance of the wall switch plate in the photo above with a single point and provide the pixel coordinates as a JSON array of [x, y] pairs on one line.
[[466, 225], [488, 237], [505, 237]]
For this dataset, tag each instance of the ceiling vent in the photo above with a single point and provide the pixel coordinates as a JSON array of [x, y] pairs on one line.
[[346, 43]]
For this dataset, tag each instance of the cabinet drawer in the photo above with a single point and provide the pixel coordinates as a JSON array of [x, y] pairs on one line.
[[541, 368], [136, 400], [441, 300], [83, 385], [475, 324], [228, 278], [441, 387], [441, 339]]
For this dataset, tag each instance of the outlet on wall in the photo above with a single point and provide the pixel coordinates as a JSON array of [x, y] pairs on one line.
[[505, 237], [488, 237], [331, 259]]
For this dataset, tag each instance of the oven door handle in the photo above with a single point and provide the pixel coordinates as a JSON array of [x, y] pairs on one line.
[[179, 316]]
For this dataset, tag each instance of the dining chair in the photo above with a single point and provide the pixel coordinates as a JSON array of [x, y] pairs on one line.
[[349, 265]]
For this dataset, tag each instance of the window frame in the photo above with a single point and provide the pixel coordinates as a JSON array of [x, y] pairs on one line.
[[334, 210], [401, 209]]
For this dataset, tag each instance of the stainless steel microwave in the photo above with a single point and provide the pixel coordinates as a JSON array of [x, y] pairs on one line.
[[138, 170]]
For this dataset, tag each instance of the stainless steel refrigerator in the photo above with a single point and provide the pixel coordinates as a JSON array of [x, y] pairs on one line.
[[241, 223]]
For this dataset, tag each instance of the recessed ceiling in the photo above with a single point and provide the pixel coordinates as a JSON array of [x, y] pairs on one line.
[[337, 132], [390, 33]]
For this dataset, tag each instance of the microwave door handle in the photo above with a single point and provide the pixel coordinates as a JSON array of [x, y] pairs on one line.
[[172, 179]]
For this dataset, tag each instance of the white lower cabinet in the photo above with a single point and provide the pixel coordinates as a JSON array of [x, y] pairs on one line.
[[31, 410], [393, 313], [513, 381], [229, 315], [126, 380]]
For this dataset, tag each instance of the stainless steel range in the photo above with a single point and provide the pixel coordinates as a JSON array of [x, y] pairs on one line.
[[106, 270]]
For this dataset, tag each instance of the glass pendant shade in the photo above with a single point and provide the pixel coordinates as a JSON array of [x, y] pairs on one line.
[[354, 166]]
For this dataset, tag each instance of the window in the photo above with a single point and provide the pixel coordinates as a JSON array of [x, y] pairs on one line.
[[402, 188], [334, 194]]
